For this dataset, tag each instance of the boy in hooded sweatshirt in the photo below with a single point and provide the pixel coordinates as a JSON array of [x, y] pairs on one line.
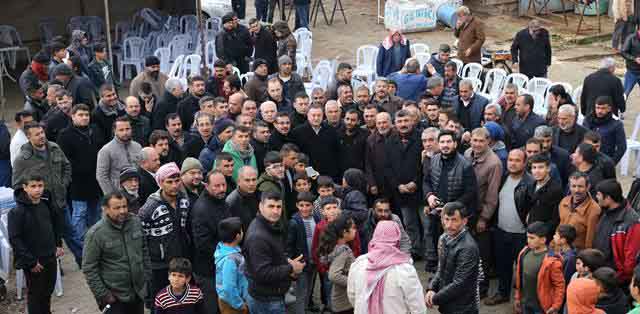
[[231, 283], [582, 295]]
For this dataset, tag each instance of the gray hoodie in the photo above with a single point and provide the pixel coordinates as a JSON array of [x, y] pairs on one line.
[[111, 159]]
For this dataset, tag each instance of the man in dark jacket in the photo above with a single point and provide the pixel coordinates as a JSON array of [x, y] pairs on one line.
[[256, 87], [603, 161], [36, 252], [614, 140], [267, 267], [454, 287], [233, 43], [167, 104], [80, 87], [320, 143], [343, 76], [557, 155], [189, 105], [353, 142], [545, 195], [36, 73], [402, 174], [631, 53], [164, 219], [207, 212], [382, 99], [568, 133], [140, 125], [437, 61], [80, 145], [531, 50], [602, 83], [525, 121], [292, 83], [116, 270], [375, 155], [264, 44], [470, 105], [618, 231], [449, 177], [147, 168], [59, 117], [105, 114], [215, 83], [243, 201]]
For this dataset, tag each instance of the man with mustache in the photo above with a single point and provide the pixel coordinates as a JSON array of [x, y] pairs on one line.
[[151, 75], [381, 211], [568, 134], [531, 50]]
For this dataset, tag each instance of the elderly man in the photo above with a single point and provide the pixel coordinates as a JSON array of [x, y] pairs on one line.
[[435, 88], [243, 201], [151, 75], [319, 97], [470, 106], [558, 155], [383, 99], [568, 134], [147, 168], [531, 50], [602, 83], [167, 103], [450, 92], [375, 154], [470, 34], [333, 114], [411, 83], [268, 112]]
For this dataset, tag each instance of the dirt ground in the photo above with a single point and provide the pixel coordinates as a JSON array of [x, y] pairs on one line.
[[571, 63]]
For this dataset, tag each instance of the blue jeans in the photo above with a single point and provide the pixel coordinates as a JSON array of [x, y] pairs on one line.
[[302, 16], [630, 81], [271, 307], [431, 230], [70, 237], [325, 290], [303, 290], [261, 9], [85, 214], [506, 245]]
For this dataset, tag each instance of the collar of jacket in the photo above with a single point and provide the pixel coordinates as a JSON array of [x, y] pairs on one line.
[[582, 208], [479, 158], [274, 228], [618, 212], [29, 150], [115, 225], [449, 241]]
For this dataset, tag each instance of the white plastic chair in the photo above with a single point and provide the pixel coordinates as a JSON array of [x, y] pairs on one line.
[[459, 65], [517, 79], [164, 54], [575, 96], [538, 87], [301, 62], [163, 39], [244, 78], [304, 39], [494, 83], [236, 71], [321, 76], [209, 35], [210, 54], [477, 84], [420, 48], [190, 66], [214, 23], [132, 54], [472, 70], [179, 45], [176, 66], [188, 23], [150, 43], [633, 146], [422, 58], [366, 62]]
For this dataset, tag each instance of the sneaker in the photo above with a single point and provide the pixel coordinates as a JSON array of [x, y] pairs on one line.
[[495, 300]]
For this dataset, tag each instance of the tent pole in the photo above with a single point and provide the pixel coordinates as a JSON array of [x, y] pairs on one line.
[[203, 63], [107, 20]]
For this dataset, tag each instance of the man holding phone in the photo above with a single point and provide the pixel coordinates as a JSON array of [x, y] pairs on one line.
[[449, 178]]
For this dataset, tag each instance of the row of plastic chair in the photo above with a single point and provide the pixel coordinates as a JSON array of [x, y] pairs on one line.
[[304, 40]]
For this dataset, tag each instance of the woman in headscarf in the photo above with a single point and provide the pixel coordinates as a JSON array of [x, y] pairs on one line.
[[557, 97], [287, 44], [385, 280], [392, 54]]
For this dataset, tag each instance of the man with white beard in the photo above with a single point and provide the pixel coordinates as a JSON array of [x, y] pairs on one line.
[[568, 134], [129, 186]]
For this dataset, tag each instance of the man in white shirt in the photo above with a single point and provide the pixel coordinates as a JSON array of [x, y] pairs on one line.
[[19, 138]]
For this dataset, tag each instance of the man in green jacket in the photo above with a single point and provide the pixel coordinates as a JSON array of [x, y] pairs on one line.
[[241, 150], [271, 179], [115, 261]]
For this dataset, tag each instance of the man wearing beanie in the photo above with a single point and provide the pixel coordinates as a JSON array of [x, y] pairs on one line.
[[233, 44], [191, 174], [130, 187], [292, 83], [36, 74], [264, 44], [151, 75], [496, 142], [256, 87], [222, 131], [164, 223]]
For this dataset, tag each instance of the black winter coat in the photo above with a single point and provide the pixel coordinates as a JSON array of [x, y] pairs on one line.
[[81, 148], [533, 55], [456, 280], [148, 184], [166, 105], [403, 164], [266, 263], [569, 140], [602, 83], [56, 122], [265, 48], [104, 124], [630, 51], [322, 148], [82, 90], [243, 206], [543, 203], [187, 108], [206, 213], [352, 148]]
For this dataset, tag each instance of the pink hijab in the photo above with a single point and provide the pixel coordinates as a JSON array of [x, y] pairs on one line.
[[387, 43], [384, 252]]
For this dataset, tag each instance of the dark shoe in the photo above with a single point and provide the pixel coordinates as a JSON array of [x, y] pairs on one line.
[[313, 308], [495, 300], [483, 294]]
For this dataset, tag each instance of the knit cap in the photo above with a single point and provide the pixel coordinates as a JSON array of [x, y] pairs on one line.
[[189, 164], [127, 173]]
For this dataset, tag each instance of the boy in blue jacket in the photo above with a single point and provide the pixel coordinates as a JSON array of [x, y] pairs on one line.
[[231, 283]]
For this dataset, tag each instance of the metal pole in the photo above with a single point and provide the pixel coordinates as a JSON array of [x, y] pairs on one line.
[[203, 61], [107, 20]]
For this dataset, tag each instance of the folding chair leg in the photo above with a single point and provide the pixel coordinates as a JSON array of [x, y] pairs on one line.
[[59, 290]]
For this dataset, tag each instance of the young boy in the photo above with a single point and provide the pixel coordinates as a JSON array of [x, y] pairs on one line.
[[634, 288], [231, 283], [587, 261], [326, 189], [35, 233], [301, 183], [302, 163], [535, 262], [179, 296], [563, 244], [299, 242]]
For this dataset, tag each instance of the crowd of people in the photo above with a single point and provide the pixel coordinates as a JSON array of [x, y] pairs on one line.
[[227, 197]]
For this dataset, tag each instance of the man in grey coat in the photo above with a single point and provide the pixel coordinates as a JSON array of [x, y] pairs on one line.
[[119, 153]]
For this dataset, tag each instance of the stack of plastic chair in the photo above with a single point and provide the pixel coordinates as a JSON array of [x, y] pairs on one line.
[[494, 83], [164, 54], [132, 54], [10, 36], [477, 84], [190, 67], [150, 43], [188, 23], [214, 23], [210, 54], [459, 65], [420, 48], [304, 39], [633, 146], [517, 79], [423, 58], [472, 70], [176, 67], [179, 45], [537, 87], [209, 35], [366, 62]]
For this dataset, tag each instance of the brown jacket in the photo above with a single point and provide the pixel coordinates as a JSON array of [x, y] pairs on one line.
[[157, 85], [488, 169], [470, 36], [584, 218], [390, 104]]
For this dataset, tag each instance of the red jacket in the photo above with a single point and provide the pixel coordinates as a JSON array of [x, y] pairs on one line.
[[320, 227], [625, 244], [550, 281]]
